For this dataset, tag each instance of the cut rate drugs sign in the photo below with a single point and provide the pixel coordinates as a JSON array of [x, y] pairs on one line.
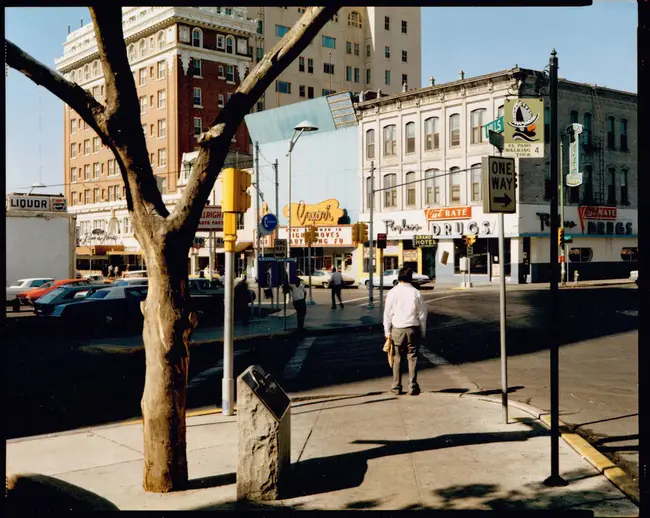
[[499, 185]]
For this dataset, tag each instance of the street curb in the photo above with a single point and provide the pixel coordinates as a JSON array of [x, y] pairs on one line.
[[620, 479]]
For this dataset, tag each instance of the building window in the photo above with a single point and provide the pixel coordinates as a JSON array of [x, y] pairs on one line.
[[630, 254], [96, 92], [386, 23], [281, 30], [404, 56], [387, 77], [162, 128], [301, 91], [624, 194], [454, 130], [152, 101], [162, 99], [96, 170], [500, 111], [356, 49], [348, 47], [410, 137], [611, 137], [431, 134], [586, 130], [87, 196], [368, 76], [161, 40], [432, 187], [369, 193], [260, 27], [260, 54], [73, 173], [196, 67], [220, 73], [455, 179], [142, 74], [87, 172], [198, 126], [404, 27], [624, 135], [390, 195], [348, 74], [326, 91], [96, 69], [329, 42], [328, 68], [230, 73], [310, 66], [283, 87], [589, 185], [390, 140], [477, 126], [368, 50], [152, 73], [354, 19], [74, 198], [143, 104], [152, 44], [142, 48], [87, 147], [111, 167], [162, 157], [387, 52], [197, 98], [95, 144], [131, 55], [162, 69], [357, 73], [197, 38], [96, 195], [611, 186], [547, 124], [573, 117], [410, 188], [73, 151], [310, 92], [370, 143], [260, 106], [230, 45], [301, 64], [73, 126], [220, 101], [580, 255], [221, 42], [476, 182]]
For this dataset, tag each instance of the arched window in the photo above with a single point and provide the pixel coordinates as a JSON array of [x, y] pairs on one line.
[[500, 111], [152, 43], [589, 184], [573, 117], [161, 40], [410, 137], [477, 117], [370, 143], [476, 182], [611, 138], [142, 48], [73, 76], [586, 130], [197, 37], [86, 72], [390, 195], [624, 196], [611, 186], [131, 53], [230, 45], [454, 130], [431, 134], [410, 188], [455, 179], [432, 186], [95, 68], [354, 19], [390, 140], [623, 135]]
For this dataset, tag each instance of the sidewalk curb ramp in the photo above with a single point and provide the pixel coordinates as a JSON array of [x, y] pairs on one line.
[[606, 467]]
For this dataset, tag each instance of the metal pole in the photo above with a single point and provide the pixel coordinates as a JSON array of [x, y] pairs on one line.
[[502, 319], [227, 383], [469, 271], [311, 299], [371, 257], [257, 225], [277, 213], [561, 188], [381, 280], [554, 479]]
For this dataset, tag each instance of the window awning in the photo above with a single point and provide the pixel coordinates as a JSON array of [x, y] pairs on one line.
[[98, 250], [124, 252]]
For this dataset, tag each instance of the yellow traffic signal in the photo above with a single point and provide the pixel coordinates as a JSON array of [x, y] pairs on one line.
[[235, 184], [363, 232], [355, 233], [560, 237], [310, 235]]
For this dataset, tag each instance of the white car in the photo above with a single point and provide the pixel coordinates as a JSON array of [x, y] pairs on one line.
[[390, 279], [24, 285], [322, 278], [97, 279]]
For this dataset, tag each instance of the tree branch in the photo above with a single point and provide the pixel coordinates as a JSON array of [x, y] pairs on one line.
[[215, 143], [70, 93]]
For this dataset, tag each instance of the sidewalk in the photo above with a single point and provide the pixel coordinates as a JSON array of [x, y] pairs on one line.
[[434, 451], [320, 320], [535, 286]]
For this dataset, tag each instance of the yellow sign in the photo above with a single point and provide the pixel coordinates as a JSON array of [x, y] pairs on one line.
[[325, 213], [523, 128]]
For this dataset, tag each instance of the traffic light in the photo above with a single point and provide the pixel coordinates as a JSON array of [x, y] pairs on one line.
[[363, 232], [235, 197], [355, 233], [310, 235], [560, 237], [470, 240]]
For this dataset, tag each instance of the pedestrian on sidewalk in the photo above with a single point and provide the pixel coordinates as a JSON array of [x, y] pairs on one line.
[[110, 270], [117, 271], [405, 323], [298, 295], [241, 300], [336, 284]]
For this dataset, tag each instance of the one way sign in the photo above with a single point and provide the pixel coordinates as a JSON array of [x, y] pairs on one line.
[[499, 185]]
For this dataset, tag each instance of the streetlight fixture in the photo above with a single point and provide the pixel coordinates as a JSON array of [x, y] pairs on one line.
[[297, 131], [37, 185]]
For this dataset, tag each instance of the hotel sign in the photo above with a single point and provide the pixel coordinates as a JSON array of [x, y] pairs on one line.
[[324, 213], [442, 213]]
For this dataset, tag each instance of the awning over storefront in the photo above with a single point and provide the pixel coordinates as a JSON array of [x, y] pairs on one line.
[[125, 252], [99, 250]]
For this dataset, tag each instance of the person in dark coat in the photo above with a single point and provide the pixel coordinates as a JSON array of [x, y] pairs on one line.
[[241, 301]]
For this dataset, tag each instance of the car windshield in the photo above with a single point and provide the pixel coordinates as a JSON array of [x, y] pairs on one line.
[[100, 294], [47, 285], [49, 297]]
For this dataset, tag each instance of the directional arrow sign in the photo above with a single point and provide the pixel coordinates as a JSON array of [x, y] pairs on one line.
[[499, 185]]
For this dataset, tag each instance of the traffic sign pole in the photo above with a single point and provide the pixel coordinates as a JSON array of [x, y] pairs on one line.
[[502, 320]]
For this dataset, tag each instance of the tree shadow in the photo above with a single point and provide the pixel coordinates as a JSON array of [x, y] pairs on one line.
[[224, 479], [344, 406]]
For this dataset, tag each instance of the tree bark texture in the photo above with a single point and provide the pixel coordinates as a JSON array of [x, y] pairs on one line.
[[165, 238]]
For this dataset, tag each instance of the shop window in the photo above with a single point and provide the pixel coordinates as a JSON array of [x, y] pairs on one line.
[[580, 255], [630, 254]]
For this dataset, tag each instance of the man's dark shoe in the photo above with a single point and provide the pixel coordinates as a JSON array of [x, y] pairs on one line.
[[396, 391], [341, 306], [414, 391], [333, 307]]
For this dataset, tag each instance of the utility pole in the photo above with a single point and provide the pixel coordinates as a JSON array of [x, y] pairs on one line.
[[257, 224], [277, 213], [555, 479], [561, 188], [371, 258]]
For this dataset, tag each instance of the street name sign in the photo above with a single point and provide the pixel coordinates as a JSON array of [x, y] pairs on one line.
[[423, 241], [499, 185], [495, 125], [280, 248]]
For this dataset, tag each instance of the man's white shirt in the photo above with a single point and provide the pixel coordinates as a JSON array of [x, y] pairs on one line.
[[405, 307]]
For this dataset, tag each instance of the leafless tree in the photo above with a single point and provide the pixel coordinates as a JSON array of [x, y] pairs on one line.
[[164, 237]]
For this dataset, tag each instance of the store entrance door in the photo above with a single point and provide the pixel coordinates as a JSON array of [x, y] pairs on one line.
[[429, 262]]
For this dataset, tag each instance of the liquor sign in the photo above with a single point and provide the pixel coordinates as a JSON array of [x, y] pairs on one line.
[[36, 203], [424, 241], [211, 219], [442, 213]]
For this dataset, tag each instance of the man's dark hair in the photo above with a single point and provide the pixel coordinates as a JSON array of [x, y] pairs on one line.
[[405, 275]]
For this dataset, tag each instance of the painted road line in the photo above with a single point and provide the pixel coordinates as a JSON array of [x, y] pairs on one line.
[[295, 363], [433, 358], [212, 371], [450, 370]]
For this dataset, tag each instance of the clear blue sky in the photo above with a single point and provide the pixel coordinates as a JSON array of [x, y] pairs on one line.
[[595, 44]]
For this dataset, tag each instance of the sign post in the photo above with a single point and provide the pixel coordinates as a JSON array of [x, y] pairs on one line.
[[381, 245], [499, 181]]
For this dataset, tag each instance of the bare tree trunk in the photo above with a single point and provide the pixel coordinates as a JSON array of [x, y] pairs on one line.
[[168, 324]]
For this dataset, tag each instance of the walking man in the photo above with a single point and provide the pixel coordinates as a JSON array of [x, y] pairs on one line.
[[298, 293], [405, 323], [336, 284]]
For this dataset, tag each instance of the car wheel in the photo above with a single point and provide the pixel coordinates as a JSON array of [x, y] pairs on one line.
[[395, 283], [16, 305], [367, 284], [326, 285]]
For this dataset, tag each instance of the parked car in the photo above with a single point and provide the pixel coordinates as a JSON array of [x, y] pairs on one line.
[[390, 279], [105, 310], [634, 275], [23, 285], [138, 281], [61, 295], [322, 278], [30, 296], [135, 274], [97, 279]]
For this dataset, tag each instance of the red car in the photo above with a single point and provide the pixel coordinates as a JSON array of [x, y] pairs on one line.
[[30, 296]]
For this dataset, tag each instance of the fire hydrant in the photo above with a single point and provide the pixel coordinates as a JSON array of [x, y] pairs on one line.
[[576, 275]]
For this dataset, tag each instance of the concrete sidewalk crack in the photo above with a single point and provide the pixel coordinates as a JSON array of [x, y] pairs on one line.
[[118, 443], [304, 446]]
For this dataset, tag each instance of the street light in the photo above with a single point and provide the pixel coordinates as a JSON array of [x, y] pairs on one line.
[[37, 185], [297, 131]]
